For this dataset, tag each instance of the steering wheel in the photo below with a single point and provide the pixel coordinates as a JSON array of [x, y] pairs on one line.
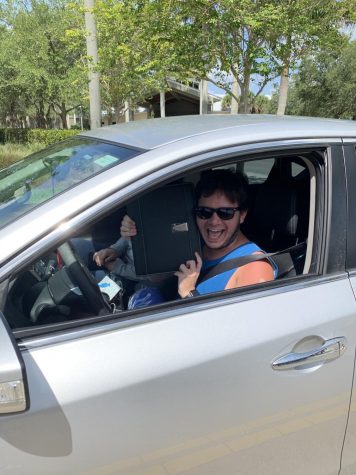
[[84, 279]]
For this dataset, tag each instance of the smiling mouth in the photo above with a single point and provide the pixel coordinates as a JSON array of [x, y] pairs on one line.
[[215, 234]]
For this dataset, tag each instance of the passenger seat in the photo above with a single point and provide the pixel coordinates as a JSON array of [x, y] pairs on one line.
[[279, 218]]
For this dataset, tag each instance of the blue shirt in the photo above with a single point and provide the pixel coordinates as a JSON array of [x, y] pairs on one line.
[[219, 282]]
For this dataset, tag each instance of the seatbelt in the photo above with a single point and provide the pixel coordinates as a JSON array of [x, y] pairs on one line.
[[241, 261]]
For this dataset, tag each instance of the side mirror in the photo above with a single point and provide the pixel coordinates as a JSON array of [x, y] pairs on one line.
[[13, 397]]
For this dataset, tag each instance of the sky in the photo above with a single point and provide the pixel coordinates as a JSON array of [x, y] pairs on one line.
[[267, 91]]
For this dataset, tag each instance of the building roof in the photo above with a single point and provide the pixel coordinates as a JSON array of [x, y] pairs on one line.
[[190, 91]]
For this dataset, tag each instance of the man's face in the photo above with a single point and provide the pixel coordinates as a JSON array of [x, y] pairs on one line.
[[216, 232]]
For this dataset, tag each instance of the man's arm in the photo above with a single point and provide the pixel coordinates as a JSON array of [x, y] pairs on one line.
[[249, 274], [120, 246], [124, 269]]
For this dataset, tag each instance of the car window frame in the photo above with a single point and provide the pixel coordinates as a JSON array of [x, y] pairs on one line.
[[349, 149], [188, 165], [334, 247]]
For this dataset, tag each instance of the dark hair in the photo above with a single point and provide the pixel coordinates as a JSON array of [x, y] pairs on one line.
[[233, 185]]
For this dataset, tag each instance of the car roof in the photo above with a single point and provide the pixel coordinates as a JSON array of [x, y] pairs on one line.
[[154, 133]]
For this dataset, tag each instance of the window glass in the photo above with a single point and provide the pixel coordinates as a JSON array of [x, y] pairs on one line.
[[56, 289], [47, 173], [257, 171], [297, 169]]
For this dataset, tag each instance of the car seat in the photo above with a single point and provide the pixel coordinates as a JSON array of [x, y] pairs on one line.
[[278, 219]]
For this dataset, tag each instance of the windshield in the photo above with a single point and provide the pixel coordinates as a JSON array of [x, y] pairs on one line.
[[45, 174]]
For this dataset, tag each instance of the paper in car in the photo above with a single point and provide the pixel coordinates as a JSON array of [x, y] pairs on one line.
[[109, 287], [106, 160]]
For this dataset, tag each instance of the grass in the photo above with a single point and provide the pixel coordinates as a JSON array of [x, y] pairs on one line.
[[11, 152]]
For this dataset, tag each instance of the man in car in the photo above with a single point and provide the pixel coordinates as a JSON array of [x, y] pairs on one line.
[[221, 197]]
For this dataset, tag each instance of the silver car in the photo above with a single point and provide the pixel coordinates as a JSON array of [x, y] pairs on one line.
[[254, 380]]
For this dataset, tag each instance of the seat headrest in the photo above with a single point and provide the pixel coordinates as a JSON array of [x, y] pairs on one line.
[[274, 222]]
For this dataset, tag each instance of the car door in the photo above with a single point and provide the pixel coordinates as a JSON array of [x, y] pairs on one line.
[[255, 381]]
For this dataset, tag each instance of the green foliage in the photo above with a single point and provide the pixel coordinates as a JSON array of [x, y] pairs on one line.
[[35, 136], [249, 40], [43, 61], [230, 38], [137, 49], [11, 153], [325, 85], [226, 102], [41, 74], [49, 136], [258, 104], [306, 27], [143, 43], [13, 135], [273, 103]]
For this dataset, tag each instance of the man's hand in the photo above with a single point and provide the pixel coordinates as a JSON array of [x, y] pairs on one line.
[[128, 227], [105, 257], [188, 275]]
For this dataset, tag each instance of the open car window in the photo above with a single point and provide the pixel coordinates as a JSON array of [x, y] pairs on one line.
[[282, 213], [45, 174]]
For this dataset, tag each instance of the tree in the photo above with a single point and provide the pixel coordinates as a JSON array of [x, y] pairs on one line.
[[226, 102], [144, 42], [305, 27], [255, 41], [229, 38], [45, 66], [325, 85], [136, 49], [259, 104], [12, 106]]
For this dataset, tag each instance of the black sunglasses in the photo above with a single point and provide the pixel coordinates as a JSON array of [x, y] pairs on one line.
[[203, 212]]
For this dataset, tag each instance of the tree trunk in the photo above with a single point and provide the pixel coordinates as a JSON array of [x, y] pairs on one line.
[[94, 77], [63, 115], [129, 113], [49, 120], [162, 102], [245, 89], [118, 109], [109, 116], [41, 119], [150, 112], [203, 97], [283, 91], [64, 120], [235, 91]]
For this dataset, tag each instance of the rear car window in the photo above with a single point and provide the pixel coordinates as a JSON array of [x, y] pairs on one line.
[[257, 171]]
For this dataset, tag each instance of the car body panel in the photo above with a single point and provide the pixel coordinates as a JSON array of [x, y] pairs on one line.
[[193, 393], [348, 466]]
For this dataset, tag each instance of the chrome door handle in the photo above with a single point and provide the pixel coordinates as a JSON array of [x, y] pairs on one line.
[[329, 350]]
